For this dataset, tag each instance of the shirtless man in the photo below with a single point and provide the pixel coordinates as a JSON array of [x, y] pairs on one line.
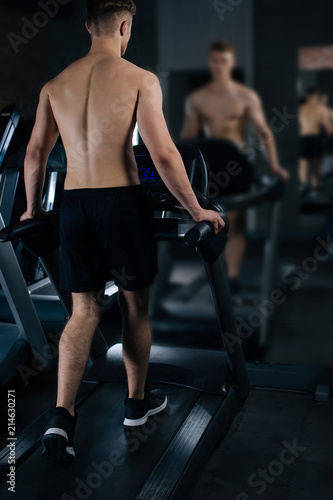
[[222, 110], [313, 116], [106, 221]]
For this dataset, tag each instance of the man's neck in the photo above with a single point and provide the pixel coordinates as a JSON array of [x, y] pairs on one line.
[[223, 83], [105, 45]]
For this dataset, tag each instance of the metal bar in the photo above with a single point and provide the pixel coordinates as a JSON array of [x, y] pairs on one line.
[[270, 259], [38, 285], [218, 427], [225, 313], [169, 469], [19, 300], [7, 136], [7, 195], [50, 191]]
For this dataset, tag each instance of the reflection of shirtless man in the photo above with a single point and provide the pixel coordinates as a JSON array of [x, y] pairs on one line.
[[106, 222], [222, 109], [312, 117]]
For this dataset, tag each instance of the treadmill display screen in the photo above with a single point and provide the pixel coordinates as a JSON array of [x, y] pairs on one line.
[[147, 170]]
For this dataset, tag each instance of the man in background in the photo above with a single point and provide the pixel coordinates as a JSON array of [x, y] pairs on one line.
[[313, 118], [222, 110]]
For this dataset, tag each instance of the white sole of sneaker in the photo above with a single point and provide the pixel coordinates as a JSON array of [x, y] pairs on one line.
[[140, 421]]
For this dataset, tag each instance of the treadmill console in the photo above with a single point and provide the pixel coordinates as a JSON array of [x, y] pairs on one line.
[[158, 193], [153, 185]]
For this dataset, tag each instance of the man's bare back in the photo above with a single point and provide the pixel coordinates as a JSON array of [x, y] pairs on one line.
[[312, 117], [94, 105]]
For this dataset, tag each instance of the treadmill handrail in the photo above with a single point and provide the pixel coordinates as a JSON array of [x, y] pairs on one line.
[[21, 229], [33, 226], [199, 233], [268, 190]]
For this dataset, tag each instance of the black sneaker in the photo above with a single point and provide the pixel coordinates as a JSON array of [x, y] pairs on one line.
[[304, 189], [59, 435], [138, 411]]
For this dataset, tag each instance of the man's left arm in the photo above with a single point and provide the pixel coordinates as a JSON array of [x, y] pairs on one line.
[[258, 119], [42, 141]]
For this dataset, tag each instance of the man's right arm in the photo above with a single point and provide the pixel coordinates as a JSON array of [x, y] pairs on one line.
[[42, 141], [155, 134]]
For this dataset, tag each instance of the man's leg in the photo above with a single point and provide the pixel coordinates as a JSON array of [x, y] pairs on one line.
[[136, 339], [303, 171], [317, 162], [74, 346], [235, 249]]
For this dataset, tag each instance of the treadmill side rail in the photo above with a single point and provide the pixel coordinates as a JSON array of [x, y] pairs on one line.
[[192, 445], [19, 300]]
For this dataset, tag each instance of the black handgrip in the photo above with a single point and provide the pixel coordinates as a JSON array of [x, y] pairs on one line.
[[29, 227], [16, 231], [204, 230], [199, 233]]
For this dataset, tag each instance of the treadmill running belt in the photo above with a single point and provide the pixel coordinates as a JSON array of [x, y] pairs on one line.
[[110, 462]]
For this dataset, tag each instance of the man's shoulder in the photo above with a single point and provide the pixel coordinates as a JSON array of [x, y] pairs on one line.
[[316, 110], [245, 92], [49, 86], [60, 77], [142, 77], [129, 66]]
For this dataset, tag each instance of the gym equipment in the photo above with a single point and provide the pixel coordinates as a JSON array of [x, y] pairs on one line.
[[191, 304], [205, 388], [15, 339], [9, 120]]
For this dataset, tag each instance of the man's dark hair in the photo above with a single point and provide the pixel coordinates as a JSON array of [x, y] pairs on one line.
[[103, 15], [222, 46], [312, 91]]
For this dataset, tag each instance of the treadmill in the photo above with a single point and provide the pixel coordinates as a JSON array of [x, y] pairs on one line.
[[25, 332], [192, 303], [206, 388]]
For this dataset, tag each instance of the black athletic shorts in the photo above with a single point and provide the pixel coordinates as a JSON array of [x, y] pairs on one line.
[[107, 234], [310, 147]]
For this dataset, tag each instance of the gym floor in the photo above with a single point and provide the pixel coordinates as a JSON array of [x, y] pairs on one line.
[[251, 462]]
